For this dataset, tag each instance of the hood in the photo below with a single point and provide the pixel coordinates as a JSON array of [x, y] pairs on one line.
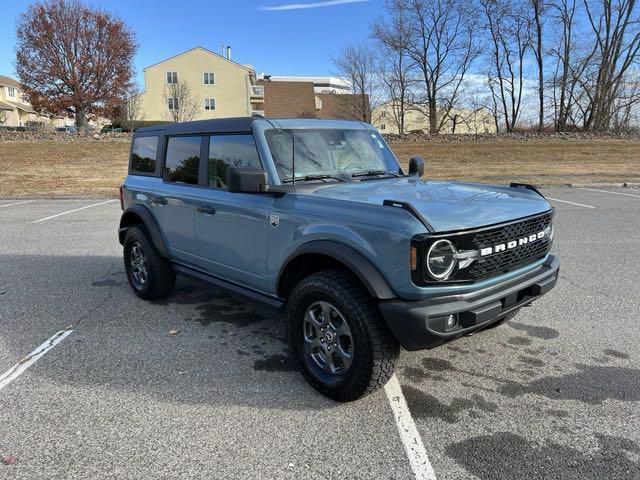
[[447, 206]]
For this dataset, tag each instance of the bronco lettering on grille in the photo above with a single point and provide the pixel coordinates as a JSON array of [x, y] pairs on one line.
[[513, 243]]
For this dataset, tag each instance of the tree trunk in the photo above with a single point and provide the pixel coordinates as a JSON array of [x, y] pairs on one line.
[[81, 119], [540, 61], [433, 116]]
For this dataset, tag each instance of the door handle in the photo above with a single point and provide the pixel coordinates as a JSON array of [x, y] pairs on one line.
[[206, 209], [159, 201]]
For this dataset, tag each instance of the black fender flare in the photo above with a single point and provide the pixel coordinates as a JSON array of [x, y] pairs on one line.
[[366, 272], [150, 223]]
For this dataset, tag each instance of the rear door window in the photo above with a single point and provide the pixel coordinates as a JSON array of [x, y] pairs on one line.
[[143, 155], [229, 151], [183, 159]]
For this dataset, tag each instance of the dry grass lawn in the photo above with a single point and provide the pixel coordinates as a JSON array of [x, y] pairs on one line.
[[96, 168]]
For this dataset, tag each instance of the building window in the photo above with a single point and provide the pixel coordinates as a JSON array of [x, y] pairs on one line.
[[11, 92], [383, 114], [209, 103], [172, 103], [172, 77], [383, 126], [209, 78]]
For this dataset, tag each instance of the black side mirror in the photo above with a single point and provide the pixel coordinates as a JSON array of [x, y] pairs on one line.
[[416, 166], [246, 180]]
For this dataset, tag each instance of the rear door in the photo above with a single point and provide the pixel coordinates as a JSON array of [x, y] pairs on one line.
[[231, 228], [175, 201]]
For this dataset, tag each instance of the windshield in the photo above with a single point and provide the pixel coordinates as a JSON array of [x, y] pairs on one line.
[[329, 152]]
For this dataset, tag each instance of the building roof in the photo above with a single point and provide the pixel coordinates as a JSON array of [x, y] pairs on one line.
[[9, 82], [6, 106], [25, 107], [206, 50], [320, 81]]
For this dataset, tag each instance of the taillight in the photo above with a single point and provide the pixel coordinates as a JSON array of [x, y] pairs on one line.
[[121, 199]]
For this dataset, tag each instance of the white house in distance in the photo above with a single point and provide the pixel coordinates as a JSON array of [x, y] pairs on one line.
[[320, 84]]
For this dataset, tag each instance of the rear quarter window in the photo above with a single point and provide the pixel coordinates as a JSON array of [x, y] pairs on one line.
[[144, 155]]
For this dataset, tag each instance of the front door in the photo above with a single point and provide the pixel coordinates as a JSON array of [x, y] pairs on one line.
[[231, 228]]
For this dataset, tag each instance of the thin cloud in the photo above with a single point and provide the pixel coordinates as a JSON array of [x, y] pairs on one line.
[[300, 6]]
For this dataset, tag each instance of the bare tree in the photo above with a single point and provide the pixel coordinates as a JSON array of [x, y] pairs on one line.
[[616, 27], [510, 38], [442, 46], [182, 105], [563, 13], [133, 105], [357, 64], [392, 35], [538, 8]]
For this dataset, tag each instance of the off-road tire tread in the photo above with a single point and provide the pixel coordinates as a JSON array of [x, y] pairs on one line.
[[384, 349], [161, 277]]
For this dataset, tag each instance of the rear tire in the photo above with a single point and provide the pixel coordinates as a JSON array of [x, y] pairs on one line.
[[338, 336], [150, 275]]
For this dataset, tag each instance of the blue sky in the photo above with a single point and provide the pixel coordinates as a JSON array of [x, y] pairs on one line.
[[288, 40]]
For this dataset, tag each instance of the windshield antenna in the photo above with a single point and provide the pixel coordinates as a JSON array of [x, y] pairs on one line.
[[293, 158]]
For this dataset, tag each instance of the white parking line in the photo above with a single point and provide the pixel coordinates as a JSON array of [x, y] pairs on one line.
[[15, 371], [613, 193], [571, 203], [411, 440], [16, 203], [71, 211]]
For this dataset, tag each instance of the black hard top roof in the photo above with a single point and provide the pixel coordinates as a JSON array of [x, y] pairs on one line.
[[219, 125]]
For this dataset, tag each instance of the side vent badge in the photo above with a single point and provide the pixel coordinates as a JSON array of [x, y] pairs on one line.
[[274, 220]]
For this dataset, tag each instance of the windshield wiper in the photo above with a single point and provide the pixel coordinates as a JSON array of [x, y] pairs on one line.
[[371, 173], [313, 177]]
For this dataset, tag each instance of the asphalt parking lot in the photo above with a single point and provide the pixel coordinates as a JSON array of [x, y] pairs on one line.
[[554, 393]]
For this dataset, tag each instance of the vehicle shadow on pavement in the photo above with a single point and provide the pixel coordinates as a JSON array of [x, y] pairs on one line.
[[524, 459], [202, 345]]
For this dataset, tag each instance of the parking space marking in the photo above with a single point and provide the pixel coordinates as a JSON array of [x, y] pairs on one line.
[[571, 203], [72, 211], [19, 368], [16, 203], [411, 439], [607, 191]]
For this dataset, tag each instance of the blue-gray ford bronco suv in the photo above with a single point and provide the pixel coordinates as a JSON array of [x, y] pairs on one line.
[[319, 218]]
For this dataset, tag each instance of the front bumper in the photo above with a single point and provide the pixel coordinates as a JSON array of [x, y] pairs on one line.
[[419, 325]]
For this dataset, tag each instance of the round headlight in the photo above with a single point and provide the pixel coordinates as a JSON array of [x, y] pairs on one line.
[[441, 260]]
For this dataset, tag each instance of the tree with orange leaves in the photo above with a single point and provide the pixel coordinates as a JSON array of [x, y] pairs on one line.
[[73, 60]]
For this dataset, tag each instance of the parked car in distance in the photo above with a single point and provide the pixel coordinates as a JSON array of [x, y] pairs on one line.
[[67, 129], [108, 128], [318, 217]]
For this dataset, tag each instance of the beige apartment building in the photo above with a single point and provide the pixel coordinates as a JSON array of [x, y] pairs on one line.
[[466, 121], [220, 86], [15, 111]]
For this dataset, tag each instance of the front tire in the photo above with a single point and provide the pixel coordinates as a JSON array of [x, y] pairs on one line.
[[338, 336], [150, 275]]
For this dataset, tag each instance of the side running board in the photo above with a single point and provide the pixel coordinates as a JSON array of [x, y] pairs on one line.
[[527, 186], [411, 209]]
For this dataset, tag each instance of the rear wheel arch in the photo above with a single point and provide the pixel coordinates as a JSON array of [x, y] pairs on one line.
[[322, 255], [140, 215]]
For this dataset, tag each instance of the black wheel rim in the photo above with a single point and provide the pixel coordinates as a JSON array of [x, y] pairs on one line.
[[138, 263], [327, 338]]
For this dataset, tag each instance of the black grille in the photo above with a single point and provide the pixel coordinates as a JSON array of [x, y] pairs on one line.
[[496, 263], [502, 262]]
